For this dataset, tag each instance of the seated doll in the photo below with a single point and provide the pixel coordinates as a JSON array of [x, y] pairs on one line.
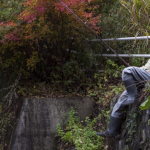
[[131, 77]]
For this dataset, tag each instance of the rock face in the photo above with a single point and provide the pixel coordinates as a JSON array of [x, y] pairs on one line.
[[38, 119], [135, 132]]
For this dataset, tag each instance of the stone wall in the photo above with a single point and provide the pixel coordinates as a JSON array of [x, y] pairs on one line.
[[39, 117]]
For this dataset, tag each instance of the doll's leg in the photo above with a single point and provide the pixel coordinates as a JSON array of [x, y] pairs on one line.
[[116, 117], [131, 76]]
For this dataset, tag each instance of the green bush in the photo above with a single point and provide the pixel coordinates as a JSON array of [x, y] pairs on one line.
[[84, 138]]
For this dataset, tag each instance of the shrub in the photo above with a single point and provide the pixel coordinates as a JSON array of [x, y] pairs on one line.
[[84, 138]]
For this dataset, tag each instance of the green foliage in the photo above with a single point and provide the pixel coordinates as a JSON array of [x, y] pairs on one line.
[[137, 62], [118, 89], [109, 95], [8, 9], [138, 13], [126, 147], [112, 21], [106, 114], [119, 21], [131, 125], [84, 138], [72, 72], [8, 12], [5, 122], [149, 122], [29, 90], [40, 35], [113, 69], [146, 104], [103, 89]]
